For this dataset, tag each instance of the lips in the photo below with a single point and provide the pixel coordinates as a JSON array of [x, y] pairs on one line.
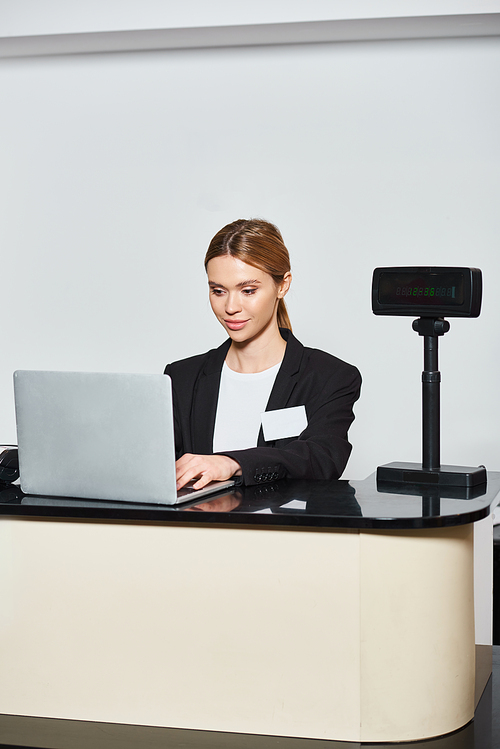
[[235, 324]]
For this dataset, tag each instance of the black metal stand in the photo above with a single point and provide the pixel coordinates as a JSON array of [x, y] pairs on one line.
[[430, 471]]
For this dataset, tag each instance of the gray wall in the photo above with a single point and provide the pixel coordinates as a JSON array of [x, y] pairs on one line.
[[117, 169]]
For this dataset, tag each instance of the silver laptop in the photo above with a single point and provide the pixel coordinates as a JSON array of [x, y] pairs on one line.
[[98, 436]]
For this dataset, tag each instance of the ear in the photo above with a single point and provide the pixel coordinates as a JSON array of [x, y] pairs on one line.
[[284, 285]]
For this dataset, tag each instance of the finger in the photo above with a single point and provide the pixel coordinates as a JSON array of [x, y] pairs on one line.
[[195, 469], [188, 464], [185, 477], [204, 479], [184, 460]]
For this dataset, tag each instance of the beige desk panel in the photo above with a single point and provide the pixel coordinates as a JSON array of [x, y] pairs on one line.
[[417, 633], [298, 633]]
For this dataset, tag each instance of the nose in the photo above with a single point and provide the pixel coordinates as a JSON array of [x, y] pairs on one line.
[[233, 305]]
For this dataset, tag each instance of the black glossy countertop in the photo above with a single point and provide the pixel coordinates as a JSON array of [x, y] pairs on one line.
[[286, 503]]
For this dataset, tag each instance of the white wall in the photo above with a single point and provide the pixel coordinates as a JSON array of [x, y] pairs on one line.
[[38, 17], [116, 170]]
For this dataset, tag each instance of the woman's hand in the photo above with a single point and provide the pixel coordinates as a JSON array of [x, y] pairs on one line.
[[206, 468]]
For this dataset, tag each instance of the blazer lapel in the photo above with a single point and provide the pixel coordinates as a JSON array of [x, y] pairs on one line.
[[205, 397], [286, 378]]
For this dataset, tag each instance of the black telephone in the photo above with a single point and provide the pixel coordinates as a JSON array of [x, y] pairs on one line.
[[9, 464]]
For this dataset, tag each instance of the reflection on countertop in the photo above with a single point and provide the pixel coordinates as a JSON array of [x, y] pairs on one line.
[[292, 503]]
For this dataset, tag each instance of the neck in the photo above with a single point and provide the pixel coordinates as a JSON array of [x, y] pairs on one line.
[[257, 354]]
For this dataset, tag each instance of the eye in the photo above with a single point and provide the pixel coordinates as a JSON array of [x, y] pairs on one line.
[[216, 292], [249, 291]]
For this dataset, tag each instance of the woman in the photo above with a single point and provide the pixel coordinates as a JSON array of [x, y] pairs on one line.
[[219, 397]]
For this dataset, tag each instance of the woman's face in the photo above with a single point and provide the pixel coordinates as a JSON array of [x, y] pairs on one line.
[[244, 299]]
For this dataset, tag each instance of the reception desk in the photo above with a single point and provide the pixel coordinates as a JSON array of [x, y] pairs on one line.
[[327, 610]]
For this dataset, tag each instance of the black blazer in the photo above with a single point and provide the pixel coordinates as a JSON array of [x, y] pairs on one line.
[[325, 385]]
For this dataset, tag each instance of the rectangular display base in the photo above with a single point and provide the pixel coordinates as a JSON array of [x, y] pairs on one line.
[[413, 473]]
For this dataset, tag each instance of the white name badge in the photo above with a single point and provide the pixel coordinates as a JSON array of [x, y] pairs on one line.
[[285, 422]]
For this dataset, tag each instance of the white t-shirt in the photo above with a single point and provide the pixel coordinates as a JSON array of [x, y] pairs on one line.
[[242, 399]]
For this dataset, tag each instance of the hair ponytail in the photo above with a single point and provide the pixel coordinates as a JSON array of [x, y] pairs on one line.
[[283, 319]]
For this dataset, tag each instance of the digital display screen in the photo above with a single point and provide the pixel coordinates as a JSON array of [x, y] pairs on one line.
[[427, 291], [424, 290]]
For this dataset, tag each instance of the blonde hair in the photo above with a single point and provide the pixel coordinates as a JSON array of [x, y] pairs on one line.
[[258, 243]]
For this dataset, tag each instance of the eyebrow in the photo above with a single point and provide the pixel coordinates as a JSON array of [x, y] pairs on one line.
[[241, 284]]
